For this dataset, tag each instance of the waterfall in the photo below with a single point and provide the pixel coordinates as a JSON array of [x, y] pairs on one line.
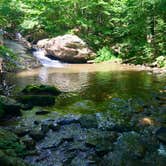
[[45, 61]]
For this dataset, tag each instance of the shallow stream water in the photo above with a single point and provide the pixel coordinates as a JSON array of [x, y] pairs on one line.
[[90, 85]]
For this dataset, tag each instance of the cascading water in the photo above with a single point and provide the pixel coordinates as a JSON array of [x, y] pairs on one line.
[[19, 49], [45, 61]]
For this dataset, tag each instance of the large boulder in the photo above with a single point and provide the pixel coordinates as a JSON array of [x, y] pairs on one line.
[[67, 48]]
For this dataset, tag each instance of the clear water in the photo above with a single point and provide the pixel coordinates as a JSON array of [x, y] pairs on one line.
[[95, 82]]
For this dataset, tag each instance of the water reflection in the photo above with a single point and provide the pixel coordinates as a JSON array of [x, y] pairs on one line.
[[43, 75], [69, 81], [94, 82]]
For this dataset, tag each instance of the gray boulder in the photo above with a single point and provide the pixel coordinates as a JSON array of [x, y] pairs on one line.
[[67, 48]]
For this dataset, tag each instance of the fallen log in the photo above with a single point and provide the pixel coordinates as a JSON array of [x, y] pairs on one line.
[[129, 60]]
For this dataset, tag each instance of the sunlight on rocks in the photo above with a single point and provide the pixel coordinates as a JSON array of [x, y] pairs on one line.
[[146, 121]]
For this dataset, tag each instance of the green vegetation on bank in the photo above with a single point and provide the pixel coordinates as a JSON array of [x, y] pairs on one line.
[[9, 57], [130, 29]]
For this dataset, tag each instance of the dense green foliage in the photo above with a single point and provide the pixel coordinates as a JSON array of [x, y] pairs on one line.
[[106, 54], [129, 28]]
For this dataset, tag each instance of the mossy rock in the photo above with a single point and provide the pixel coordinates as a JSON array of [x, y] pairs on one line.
[[6, 160], [41, 90], [37, 100], [9, 107], [9, 144], [88, 121]]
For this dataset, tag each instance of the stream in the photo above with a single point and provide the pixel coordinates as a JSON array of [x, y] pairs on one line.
[[121, 98]]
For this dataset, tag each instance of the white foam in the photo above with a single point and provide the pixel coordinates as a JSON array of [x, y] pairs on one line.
[[45, 61]]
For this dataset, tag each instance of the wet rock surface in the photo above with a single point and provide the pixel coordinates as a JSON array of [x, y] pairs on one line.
[[130, 133], [12, 150], [96, 139], [24, 59]]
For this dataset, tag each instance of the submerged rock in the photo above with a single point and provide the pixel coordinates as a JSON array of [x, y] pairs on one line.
[[102, 141], [67, 120], [129, 147], [54, 126], [21, 131], [41, 90], [9, 107], [67, 48], [37, 100], [88, 121], [38, 95], [161, 134], [28, 142], [37, 133]]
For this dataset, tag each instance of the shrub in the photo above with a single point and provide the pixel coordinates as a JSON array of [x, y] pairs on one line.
[[105, 54], [161, 61]]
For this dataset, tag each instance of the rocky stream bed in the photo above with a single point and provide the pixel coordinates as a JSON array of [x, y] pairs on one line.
[[132, 134]]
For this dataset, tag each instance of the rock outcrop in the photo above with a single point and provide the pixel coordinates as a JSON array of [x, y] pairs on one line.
[[67, 48], [23, 59]]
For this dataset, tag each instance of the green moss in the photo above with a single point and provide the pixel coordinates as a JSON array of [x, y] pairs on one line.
[[10, 142], [41, 89], [7, 160], [9, 58]]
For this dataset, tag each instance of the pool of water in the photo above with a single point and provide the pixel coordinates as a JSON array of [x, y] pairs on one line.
[[92, 85], [94, 80]]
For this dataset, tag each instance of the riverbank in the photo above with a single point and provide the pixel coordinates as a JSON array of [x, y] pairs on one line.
[[144, 67]]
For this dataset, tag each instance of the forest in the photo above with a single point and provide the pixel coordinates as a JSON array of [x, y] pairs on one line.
[[126, 29], [82, 82]]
